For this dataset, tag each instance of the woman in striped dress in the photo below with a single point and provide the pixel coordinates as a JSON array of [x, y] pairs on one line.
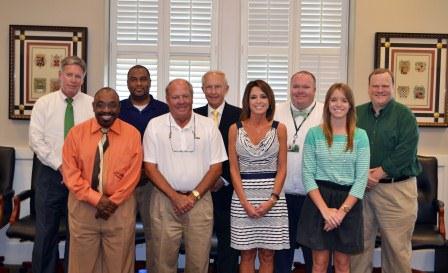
[[335, 168], [257, 155]]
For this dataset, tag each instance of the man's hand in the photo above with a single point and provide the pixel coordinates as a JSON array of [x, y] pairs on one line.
[[375, 175], [183, 203], [105, 208], [218, 185]]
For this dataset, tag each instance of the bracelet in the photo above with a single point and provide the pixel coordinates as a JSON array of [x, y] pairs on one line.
[[346, 208], [276, 196]]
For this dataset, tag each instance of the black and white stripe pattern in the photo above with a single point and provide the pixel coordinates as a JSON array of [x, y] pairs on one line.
[[258, 167]]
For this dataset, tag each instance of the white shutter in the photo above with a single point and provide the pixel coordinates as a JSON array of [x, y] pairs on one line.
[[191, 70], [321, 23], [323, 42], [171, 38], [272, 69], [190, 23], [191, 43], [123, 66], [266, 44], [280, 37], [137, 22]]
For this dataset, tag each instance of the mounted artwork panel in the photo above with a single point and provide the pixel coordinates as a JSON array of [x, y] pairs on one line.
[[35, 54], [419, 63]]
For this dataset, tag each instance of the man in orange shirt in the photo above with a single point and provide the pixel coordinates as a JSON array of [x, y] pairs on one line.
[[102, 160]]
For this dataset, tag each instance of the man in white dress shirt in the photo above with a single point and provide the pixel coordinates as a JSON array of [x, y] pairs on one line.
[[52, 116], [183, 154], [299, 114]]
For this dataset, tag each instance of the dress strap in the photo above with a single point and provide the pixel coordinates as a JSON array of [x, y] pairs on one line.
[[239, 124], [275, 124]]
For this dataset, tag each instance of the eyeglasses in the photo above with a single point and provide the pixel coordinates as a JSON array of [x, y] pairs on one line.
[[186, 144]]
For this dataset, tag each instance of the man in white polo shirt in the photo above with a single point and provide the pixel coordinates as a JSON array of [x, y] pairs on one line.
[[183, 155]]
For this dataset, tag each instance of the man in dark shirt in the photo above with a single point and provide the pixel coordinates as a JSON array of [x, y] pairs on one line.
[[390, 203], [138, 110]]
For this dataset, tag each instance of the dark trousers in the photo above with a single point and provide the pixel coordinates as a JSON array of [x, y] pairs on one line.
[[284, 258], [51, 207], [227, 257]]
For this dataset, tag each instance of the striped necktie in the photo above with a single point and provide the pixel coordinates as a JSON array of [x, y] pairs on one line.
[[98, 165]]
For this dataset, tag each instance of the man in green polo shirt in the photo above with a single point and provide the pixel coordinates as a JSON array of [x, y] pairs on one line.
[[390, 203]]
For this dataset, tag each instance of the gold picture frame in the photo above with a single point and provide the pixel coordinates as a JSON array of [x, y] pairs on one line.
[[35, 53], [419, 63]]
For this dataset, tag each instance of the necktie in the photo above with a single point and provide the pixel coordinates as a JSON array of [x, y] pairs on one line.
[[69, 119], [98, 165], [299, 113], [215, 117]]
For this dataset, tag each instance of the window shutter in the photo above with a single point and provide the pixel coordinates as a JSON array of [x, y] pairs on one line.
[[191, 70], [281, 37], [323, 41], [137, 22], [268, 44], [173, 39]]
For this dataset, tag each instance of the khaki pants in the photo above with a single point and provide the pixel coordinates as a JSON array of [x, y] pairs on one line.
[[97, 245], [168, 229], [390, 209]]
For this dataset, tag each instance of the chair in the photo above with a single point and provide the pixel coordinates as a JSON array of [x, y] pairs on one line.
[[7, 159], [24, 228], [429, 232], [7, 164]]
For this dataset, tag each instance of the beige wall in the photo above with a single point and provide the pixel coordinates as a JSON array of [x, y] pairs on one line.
[[367, 17], [412, 16], [85, 13]]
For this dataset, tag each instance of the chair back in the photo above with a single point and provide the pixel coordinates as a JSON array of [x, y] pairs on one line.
[[427, 182], [7, 165]]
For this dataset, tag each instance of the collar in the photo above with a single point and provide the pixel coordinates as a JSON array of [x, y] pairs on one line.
[[220, 109], [63, 96], [96, 127], [307, 109], [174, 124], [382, 110], [128, 103]]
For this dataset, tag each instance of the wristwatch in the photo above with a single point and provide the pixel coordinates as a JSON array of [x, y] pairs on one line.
[[196, 195]]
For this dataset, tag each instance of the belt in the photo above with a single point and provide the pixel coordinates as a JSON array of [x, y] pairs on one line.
[[393, 180]]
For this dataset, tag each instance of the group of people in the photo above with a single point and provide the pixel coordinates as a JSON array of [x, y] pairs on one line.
[[267, 178]]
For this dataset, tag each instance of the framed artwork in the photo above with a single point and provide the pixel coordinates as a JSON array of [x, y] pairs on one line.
[[419, 63], [35, 54]]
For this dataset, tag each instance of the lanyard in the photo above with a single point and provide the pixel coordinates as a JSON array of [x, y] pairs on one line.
[[300, 125]]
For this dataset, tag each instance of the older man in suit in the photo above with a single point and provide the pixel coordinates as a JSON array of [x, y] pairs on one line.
[[215, 88]]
